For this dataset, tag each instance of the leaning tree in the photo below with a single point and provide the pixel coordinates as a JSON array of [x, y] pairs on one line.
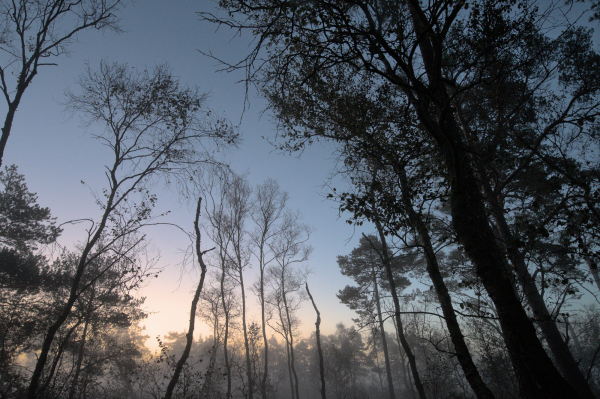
[[436, 58]]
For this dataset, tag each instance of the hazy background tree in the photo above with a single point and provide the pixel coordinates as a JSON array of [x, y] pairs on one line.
[[285, 282], [429, 72], [365, 267], [268, 210], [467, 138], [154, 129]]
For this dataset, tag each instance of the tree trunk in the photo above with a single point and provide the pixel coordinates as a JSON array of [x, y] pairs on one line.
[[386, 355], [81, 347], [32, 391], [319, 350], [209, 375], [593, 269], [226, 335], [560, 351], [289, 361], [190, 333], [263, 383], [53, 329], [405, 346], [458, 340], [246, 345], [292, 360], [12, 109], [538, 378], [61, 349], [573, 334], [10, 115], [407, 384], [86, 380]]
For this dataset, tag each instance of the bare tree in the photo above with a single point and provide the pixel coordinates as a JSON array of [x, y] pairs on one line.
[[238, 201], [213, 314], [154, 129], [286, 281], [214, 187], [190, 334], [268, 208], [230, 200], [34, 32], [319, 350]]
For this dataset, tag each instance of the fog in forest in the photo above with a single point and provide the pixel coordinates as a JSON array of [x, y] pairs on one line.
[[452, 209]]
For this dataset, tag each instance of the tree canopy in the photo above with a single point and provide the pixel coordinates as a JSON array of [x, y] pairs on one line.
[[496, 89]]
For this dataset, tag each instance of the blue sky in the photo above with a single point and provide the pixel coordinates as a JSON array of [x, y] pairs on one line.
[[55, 152]]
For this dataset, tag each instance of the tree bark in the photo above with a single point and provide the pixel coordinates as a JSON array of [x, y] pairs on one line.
[[73, 294], [23, 82], [263, 383], [8, 121], [289, 363], [593, 269], [407, 383], [61, 349]]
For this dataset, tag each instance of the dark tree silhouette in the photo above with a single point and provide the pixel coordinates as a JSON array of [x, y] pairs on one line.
[[433, 59], [154, 129], [190, 333], [35, 32]]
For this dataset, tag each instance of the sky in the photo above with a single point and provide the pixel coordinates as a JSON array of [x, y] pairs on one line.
[[55, 153]]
